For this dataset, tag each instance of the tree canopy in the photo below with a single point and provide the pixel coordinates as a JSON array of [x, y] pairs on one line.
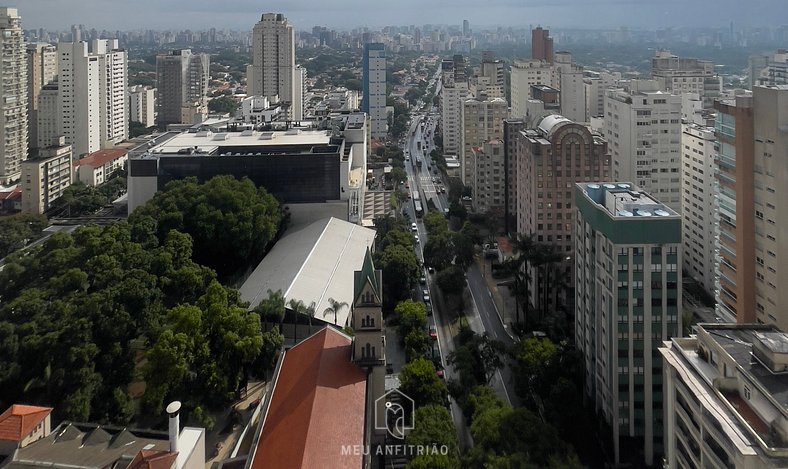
[[223, 104], [420, 382], [231, 221], [434, 429], [18, 230]]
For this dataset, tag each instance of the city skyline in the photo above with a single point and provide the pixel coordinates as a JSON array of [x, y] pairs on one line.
[[196, 14]]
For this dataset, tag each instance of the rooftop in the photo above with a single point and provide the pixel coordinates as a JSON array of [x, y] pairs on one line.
[[101, 157], [623, 200], [317, 406], [19, 420], [207, 142], [314, 263]]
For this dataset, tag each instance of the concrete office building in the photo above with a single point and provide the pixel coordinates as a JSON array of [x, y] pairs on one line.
[[273, 69], [596, 85], [46, 176], [13, 91], [47, 116], [570, 77], [182, 86], [524, 75], [698, 204], [627, 300], [726, 395], [454, 89], [753, 184], [489, 178], [682, 75], [767, 70], [92, 85], [643, 127], [142, 105], [511, 132], [551, 159], [374, 69], [41, 70], [482, 121], [300, 92], [541, 45], [301, 166]]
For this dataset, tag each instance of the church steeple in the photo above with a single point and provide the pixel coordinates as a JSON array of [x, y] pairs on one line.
[[369, 344]]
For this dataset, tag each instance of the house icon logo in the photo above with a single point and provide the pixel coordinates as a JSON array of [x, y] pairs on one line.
[[394, 412]]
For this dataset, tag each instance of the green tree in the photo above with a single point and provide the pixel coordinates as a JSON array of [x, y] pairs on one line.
[[231, 221], [451, 280], [435, 223], [223, 105], [272, 308], [18, 230], [401, 271], [416, 344], [420, 381], [412, 316], [439, 251], [434, 429], [272, 342], [334, 308]]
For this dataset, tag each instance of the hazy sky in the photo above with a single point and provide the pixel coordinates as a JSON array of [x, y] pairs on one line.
[[346, 14]]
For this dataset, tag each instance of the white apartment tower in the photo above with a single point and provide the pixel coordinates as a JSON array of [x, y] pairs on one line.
[[142, 105], [679, 75], [526, 73], [454, 89], [374, 75], [41, 70], [92, 95], [698, 206], [13, 91], [273, 68], [298, 97], [643, 128], [570, 81]]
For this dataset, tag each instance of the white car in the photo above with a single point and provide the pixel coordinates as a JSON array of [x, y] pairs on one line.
[[416, 237], [413, 227]]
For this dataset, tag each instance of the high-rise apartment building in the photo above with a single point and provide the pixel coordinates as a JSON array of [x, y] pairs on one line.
[[570, 78], [551, 159], [596, 84], [489, 178], [454, 90], [41, 70], [46, 176], [92, 103], [48, 115], [466, 28], [300, 92], [682, 75], [182, 80], [374, 69], [698, 203], [541, 45], [725, 398], [627, 301], [13, 91], [643, 128], [768, 144], [142, 105], [511, 132], [769, 69], [736, 199], [272, 73], [481, 121], [524, 75]]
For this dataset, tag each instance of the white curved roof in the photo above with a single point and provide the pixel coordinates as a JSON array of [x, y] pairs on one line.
[[550, 122]]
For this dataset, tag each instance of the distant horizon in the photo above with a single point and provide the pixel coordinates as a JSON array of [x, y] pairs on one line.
[[59, 15]]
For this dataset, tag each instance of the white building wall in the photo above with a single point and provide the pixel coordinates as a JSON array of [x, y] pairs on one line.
[[525, 73], [643, 129], [451, 124], [79, 98], [113, 83], [142, 105], [47, 116], [13, 96], [698, 203], [273, 59]]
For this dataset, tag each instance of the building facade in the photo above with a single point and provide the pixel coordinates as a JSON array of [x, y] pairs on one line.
[[698, 204], [643, 127], [374, 69], [679, 75], [489, 178], [482, 121], [142, 105], [48, 115], [524, 74], [182, 85], [41, 70], [273, 69], [541, 45], [46, 176], [92, 84], [454, 89], [627, 301], [13, 91], [511, 132], [98, 167], [725, 398]]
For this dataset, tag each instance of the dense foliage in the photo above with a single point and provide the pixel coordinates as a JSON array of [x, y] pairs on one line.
[[397, 259], [223, 105], [18, 230], [75, 313], [434, 430], [231, 221]]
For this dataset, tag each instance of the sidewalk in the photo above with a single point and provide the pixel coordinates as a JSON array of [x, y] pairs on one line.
[[501, 296]]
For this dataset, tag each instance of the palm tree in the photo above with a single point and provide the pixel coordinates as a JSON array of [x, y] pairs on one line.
[[272, 307], [523, 247], [334, 307], [544, 258], [298, 307]]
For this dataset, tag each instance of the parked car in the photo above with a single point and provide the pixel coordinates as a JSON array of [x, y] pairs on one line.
[[413, 227]]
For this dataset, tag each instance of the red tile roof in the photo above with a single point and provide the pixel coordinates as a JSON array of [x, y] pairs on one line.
[[19, 420], [101, 157], [317, 407], [148, 459], [12, 194]]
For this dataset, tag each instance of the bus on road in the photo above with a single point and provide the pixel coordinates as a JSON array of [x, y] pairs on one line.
[[417, 208]]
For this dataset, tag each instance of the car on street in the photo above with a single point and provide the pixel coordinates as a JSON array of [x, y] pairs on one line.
[[423, 280], [443, 190], [416, 238], [433, 332], [413, 227], [426, 294], [431, 269]]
